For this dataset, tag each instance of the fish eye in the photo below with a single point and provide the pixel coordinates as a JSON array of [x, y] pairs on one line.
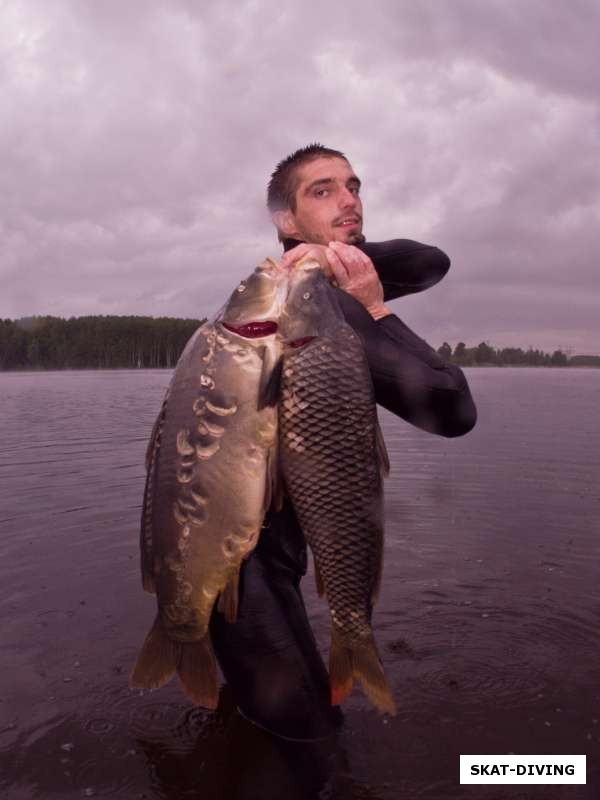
[[241, 287], [306, 296]]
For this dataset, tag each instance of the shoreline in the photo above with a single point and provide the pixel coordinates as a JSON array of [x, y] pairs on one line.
[[35, 370]]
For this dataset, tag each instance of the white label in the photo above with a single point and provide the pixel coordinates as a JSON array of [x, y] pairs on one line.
[[522, 769]]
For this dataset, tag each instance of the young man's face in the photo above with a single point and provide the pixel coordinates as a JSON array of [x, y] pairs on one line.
[[328, 207]]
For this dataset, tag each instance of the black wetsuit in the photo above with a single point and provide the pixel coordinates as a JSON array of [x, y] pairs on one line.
[[269, 657]]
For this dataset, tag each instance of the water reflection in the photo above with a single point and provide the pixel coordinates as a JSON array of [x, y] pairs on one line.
[[487, 620], [144, 748]]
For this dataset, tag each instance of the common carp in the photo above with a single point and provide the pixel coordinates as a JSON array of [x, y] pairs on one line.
[[333, 461], [211, 473]]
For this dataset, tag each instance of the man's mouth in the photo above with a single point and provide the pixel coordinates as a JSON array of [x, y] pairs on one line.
[[348, 222]]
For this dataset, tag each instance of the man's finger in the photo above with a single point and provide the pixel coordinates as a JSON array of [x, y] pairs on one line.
[[340, 273], [294, 254], [356, 262], [351, 258], [306, 251]]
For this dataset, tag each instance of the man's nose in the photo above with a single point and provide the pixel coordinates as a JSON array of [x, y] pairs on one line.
[[347, 198]]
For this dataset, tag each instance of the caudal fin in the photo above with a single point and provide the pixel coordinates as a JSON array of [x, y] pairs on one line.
[[347, 663], [157, 661], [197, 671], [194, 662]]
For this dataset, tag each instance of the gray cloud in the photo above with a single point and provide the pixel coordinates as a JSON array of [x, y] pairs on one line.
[[136, 140]]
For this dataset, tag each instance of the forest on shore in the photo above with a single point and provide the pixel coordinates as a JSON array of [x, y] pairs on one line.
[[110, 342], [95, 342]]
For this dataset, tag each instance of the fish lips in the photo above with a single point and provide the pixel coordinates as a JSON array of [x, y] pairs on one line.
[[256, 329]]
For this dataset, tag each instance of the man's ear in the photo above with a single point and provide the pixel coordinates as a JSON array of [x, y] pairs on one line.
[[285, 223]]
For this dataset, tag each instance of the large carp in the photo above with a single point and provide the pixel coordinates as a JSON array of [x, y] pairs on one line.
[[333, 460], [211, 470]]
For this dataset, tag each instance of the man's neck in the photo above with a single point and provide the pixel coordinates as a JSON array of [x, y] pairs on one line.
[[289, 243]]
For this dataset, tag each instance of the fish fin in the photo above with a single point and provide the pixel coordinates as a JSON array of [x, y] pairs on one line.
[[197, 671], [377, 582], [378, 555], [340, 670], [154, 443], [274, 484], [363, 663], [384, 471], [228, 599], [319, 580], [382, 453], [278, 494], [270, 380], [146, 539], [157, 661], [367, 667], [146, 552], [268, 498]]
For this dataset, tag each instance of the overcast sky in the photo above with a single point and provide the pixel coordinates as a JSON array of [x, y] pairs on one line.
[[137, 137]]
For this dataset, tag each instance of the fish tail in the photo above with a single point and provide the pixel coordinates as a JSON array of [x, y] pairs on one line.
[[340, 669], [157, 661], [197, 671], [362, 662]]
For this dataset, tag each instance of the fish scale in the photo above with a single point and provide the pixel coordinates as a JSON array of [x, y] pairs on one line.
[[328, 452]]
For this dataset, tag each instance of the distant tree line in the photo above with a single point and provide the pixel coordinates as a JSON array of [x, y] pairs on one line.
[[93, 342], [109, 342], [485, 355]]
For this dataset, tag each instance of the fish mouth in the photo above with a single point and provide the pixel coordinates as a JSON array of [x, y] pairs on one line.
[[253, 330]]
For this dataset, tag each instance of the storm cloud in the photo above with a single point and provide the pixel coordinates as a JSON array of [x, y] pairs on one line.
[[136, 140]]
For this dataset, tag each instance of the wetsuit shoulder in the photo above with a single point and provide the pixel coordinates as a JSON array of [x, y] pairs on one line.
[[405, 266]]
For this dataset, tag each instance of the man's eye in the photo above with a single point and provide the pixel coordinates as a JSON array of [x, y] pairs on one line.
[[321, 193], [355, 190]]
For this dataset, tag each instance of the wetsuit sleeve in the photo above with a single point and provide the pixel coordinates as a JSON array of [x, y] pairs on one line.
[[411, 380], [405, 267]]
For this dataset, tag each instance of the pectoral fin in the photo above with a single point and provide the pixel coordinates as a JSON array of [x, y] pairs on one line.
[[274, 489], [270, 380]]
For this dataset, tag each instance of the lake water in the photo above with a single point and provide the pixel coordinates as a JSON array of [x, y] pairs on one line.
[[488, 620]]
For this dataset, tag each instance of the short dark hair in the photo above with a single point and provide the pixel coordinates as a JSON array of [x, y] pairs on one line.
[[281, 191]]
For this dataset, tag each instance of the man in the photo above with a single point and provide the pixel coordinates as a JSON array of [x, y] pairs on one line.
[[269, 656]]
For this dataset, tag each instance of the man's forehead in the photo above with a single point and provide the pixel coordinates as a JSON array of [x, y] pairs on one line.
[[322, 168]]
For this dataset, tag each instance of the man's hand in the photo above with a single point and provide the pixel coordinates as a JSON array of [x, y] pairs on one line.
[[349, 267], [318, 252], [354, 273]]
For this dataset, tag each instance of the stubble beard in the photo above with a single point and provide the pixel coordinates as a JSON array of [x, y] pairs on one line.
[[356, 238]]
